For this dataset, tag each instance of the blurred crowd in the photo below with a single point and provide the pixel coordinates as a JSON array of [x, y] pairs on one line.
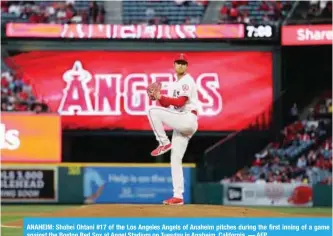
[[323, 107], [250, 11], [318, 9], [17, 95], [163, 12], [59, 12], [301, 154]]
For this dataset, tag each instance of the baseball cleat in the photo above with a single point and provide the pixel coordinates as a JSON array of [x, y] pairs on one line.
[[174, 201], [161, 150]]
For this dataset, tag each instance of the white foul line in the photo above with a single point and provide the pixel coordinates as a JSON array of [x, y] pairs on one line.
[[8, 226]]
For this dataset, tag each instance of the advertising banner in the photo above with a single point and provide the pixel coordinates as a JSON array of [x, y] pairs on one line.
[[25, 184], [146, 185], [107, 90], [267, 194], [28, 137], [108, 31], [307, 35]]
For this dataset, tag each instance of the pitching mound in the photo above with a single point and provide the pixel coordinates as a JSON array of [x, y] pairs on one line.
[[118, 210]]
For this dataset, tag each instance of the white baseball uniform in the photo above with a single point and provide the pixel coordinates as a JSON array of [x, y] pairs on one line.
[[183, 122]]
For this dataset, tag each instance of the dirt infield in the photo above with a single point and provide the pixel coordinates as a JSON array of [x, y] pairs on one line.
[[117, 210]]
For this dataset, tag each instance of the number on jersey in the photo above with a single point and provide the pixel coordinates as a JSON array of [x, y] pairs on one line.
[[175, 95]]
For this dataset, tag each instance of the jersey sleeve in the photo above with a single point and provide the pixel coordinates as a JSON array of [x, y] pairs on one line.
[[185, 89], [168, 101]]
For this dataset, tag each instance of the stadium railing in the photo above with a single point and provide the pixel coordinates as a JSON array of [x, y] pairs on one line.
[[238, 149]]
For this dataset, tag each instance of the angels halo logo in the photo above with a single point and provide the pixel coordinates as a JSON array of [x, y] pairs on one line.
[[76, 80]]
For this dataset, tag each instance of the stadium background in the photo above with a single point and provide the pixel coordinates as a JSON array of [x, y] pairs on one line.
[[265, 135]]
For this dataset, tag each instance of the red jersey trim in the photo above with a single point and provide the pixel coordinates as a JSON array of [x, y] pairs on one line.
[[168, 101]]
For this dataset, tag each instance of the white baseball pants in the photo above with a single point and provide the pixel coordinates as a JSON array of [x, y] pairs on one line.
[[184, 125]]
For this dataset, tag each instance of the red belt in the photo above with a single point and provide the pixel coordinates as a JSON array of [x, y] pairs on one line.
[[194, 112]]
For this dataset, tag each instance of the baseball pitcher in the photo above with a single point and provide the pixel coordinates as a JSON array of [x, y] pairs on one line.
[[178, 111]]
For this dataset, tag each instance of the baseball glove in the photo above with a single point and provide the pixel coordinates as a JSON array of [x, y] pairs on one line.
[[152, 89]]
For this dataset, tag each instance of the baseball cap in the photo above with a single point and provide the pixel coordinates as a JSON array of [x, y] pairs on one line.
[[181, 58]]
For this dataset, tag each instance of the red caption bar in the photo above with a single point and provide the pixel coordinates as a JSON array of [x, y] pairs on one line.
[[307, 34], [81, 31]]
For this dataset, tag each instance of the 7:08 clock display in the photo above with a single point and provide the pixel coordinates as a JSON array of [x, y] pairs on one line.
[[259, 31]]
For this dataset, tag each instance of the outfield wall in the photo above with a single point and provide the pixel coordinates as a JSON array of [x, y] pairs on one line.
[[80, 183], [91, 183]]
